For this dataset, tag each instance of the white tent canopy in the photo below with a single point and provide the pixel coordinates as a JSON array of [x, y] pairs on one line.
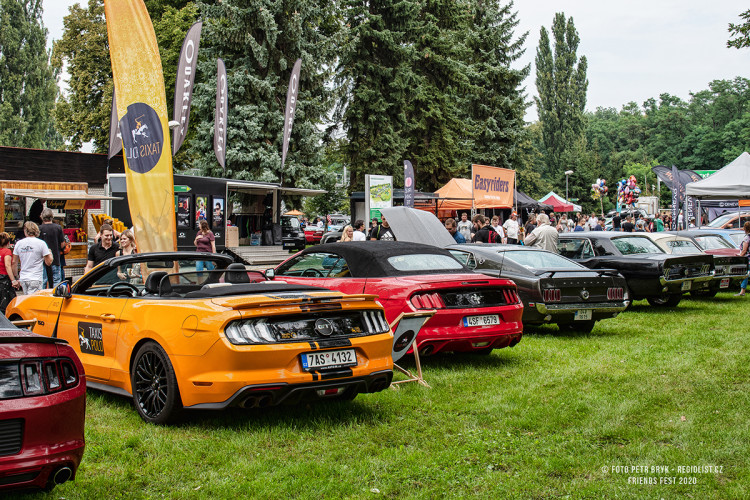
[[730, 183]]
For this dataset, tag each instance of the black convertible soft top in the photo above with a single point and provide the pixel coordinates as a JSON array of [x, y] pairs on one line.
[[369, 259]]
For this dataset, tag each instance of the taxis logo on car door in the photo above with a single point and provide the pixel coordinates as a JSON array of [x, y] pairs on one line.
[[90, 338]]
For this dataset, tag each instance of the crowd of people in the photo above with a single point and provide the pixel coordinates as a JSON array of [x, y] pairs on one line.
[[542, 230]]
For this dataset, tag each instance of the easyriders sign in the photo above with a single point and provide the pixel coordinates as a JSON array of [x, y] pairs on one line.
[[492, 187]]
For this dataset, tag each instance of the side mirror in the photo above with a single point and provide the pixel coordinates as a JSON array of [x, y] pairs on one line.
[[62, 290], [270, 273]]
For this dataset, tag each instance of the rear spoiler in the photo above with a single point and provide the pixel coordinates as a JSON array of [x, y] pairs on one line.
[[600, 272]]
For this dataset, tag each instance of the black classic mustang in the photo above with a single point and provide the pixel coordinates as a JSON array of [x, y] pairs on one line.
[[552, 288], [651, 273]]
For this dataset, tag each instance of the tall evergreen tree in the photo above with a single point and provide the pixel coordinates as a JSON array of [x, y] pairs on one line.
[[376, 77], [496, 106], [28, 83], [259, 41], [437, 133], [561, 83]]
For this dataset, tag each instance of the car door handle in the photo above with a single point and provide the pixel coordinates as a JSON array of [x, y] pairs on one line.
[[108, 317]]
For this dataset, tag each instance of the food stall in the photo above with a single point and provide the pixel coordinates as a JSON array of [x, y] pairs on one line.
[[70, 203]]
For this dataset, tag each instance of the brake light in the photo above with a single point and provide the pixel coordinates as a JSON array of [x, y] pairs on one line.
[[552, 295], [511, 296], [615, 293], [427, 301], [43, 376]]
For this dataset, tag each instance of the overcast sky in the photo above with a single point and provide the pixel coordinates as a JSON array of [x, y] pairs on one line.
[[635, 49]]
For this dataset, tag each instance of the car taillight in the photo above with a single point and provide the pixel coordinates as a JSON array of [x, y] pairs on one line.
[[615, 293], [552, 295], [511, 296], [37, 376], [427, 301]]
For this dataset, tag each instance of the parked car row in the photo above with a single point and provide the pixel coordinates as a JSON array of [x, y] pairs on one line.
[[317, 327]]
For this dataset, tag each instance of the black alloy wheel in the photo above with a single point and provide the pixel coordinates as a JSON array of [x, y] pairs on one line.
[[666, 300], [156, 395]]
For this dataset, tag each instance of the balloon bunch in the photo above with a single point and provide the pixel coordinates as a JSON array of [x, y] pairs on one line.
[[599, 189], [628, 191]]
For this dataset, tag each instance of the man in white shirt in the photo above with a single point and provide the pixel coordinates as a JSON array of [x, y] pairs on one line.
[[464, 226], [511, 229], [359, 231], [543, 236], [32, 253]]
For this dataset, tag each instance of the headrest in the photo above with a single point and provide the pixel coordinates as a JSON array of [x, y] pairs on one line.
[[153, 280], [236, 273]]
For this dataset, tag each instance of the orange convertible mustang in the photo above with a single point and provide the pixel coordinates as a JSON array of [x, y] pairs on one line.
[[152, 327]]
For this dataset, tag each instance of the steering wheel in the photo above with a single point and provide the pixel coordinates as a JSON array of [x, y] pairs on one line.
[[123, 284], [311, 271]]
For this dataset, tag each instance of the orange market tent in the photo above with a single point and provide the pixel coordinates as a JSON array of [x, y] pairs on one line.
[[455, 195], [295, 213]]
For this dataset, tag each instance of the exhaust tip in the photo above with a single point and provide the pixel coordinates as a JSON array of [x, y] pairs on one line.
[[62, 475], [264, 401], [250, 402], [426, 350]]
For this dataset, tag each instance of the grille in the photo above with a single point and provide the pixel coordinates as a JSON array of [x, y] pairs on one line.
[[11, 436], [479, 297]]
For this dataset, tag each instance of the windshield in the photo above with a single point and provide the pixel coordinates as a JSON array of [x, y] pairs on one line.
[[682, 247], [712, 242], [630, 245], [290, 223], [424, 262], [540, 260], [726, 219]]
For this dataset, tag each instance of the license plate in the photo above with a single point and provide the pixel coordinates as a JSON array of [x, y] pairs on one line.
[[724, 283], [583, 315], [686, 285], [486, 320], [329, 359]]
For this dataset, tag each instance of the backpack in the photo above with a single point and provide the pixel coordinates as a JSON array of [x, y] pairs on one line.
[[494, 237]]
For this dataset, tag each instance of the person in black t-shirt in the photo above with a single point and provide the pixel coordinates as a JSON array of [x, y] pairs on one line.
[[384, 231], [103, 250], [52, 235], [616, 223], [628, 225]]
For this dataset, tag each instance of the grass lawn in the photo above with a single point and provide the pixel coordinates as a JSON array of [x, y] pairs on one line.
[[559, 415]]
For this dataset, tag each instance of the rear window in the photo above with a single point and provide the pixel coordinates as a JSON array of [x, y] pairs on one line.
[[424, 262], [712, 242], [541, 260], [635, 245], [682, 247]]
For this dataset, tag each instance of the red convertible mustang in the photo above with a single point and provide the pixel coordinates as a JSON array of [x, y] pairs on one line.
[[42, 409], [475, 313]]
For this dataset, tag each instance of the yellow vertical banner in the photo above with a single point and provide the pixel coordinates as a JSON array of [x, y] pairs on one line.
[[142, 116]]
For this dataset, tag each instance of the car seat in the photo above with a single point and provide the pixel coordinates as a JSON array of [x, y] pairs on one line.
[[154, 284], [236, 273]]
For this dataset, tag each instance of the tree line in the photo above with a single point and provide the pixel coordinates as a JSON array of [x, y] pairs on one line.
[[432, 81]]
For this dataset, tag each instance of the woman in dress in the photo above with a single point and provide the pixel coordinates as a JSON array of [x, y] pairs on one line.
[[7, 276], [347, 234], [205, 242]]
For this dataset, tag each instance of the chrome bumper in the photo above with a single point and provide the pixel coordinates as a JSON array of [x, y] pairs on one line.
[[595, 307]]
